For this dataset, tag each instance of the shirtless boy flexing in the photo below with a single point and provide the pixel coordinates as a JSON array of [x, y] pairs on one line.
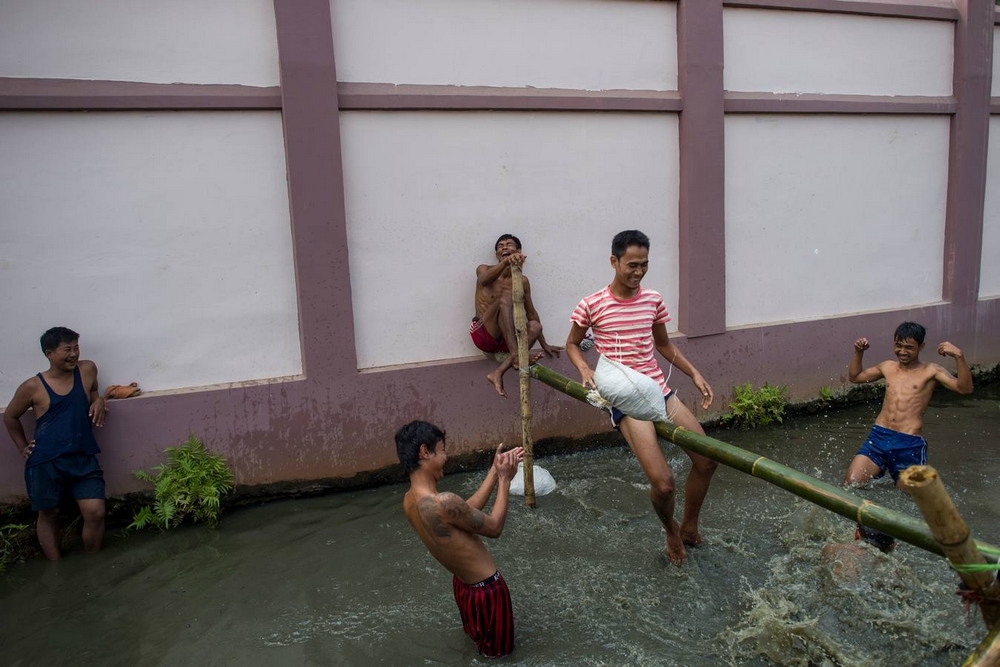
[[492, 328], [450, 528], [895, 441]]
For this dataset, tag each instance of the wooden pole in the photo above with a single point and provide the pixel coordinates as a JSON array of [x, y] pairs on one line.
[[987, 654], [901, 526], [524, 378], [952, 533]]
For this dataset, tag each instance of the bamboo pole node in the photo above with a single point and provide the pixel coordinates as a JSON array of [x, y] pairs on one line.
[[952, 534], [753, 467], [862, 506]]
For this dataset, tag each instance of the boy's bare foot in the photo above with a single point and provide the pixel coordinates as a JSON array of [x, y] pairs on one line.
[[692, 538], [496, 379], [535, 356], [675, 551]]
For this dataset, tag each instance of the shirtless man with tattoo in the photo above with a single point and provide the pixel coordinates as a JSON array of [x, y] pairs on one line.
[[450, 528], [492, 329]]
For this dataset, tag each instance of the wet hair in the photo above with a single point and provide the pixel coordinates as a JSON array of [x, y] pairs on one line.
[[630, 237], [56, 336], [410, 437], [876, 538], [506, 237], [910, 330]]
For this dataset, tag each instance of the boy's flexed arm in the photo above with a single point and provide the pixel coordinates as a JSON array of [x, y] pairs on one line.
[[854, 372], [962, 385], [672, 353]]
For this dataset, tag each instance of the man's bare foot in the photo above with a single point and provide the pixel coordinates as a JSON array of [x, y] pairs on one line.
[[535, 356], [496, 379], [675, 551], [692, 538]]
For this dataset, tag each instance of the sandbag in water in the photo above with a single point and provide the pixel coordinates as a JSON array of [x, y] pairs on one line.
[[544, 482]]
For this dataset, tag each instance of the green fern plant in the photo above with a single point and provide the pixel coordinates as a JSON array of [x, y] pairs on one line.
[[189, 485], [825, 394], [752, 408], [15, 543]]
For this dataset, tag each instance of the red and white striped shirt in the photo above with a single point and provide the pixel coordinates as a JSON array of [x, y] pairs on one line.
[[623, 330]]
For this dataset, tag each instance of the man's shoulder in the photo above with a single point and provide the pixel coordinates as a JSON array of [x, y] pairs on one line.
[[30, 385]]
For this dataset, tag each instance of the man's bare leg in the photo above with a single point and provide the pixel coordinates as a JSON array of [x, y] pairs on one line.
[[534, 331], [860, 472], [92, 511], [702, 469], [641, 437], [47, 528]]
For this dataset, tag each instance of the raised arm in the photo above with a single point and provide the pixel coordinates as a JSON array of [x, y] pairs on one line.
[[963, 384], [465, 516], [854, 372], [12, 417], [486, 274], [575, 354], [672, 353]]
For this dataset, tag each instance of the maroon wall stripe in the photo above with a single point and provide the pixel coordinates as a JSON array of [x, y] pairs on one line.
[[942, 10], [99, 95], [830, 104], [387, 96], [310, 113], [701, 207], [967, 156]]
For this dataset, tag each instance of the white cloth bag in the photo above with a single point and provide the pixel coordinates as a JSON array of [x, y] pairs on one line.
[[636, 394], [544, 483]]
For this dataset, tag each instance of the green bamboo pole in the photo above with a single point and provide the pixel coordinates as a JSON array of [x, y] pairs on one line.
[[524, 381], [987, 654], [901, 526]]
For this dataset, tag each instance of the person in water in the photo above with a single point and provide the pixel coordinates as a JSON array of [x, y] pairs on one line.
[[450, 528], [896, 441], [492, 328], [61, 460], [630, 323]]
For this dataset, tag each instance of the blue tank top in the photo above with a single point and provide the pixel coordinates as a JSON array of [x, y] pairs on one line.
[[65, 427]]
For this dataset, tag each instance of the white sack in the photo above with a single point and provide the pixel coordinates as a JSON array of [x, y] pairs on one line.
[[637, 395], [544, 484]]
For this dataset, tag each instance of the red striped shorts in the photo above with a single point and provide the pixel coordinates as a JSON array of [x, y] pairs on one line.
[[487, 615]]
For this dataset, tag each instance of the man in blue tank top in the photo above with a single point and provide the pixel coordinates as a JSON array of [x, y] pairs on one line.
[[61, 459]]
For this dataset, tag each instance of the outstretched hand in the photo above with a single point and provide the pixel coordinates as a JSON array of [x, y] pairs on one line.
[[707, 395], [515, 259], [552, 350]]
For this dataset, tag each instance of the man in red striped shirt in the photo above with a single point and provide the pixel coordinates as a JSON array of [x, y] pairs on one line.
[[629, 323], [450, 528]]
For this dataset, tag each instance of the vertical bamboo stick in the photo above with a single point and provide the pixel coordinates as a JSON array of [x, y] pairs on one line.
[[952, 533], [987, 654], [521, 329]]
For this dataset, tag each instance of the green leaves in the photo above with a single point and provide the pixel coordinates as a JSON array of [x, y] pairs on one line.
[[752, 408], [189, 485]]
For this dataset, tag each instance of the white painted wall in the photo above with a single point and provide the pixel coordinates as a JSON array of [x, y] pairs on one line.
[[589, 44], [812, 52], [155, 41], [989, 271], [996, 63], [162, 238], [428, 194], [828, 215]]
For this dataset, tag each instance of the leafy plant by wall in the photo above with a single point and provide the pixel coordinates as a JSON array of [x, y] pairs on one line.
[[752, 408], [189, 485], [15, 543]]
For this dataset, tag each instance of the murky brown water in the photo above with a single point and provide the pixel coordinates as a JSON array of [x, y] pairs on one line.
[[341, 580]]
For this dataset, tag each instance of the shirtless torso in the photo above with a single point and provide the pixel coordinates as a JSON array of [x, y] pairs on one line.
[[433, 516]]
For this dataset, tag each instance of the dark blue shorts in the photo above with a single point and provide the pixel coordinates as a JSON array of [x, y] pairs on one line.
[[77, 475], [893, 451], [616, 414]]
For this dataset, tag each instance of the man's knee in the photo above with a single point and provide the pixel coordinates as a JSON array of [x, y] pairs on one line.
[[92, 512], [703, 465], [662, 488]]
